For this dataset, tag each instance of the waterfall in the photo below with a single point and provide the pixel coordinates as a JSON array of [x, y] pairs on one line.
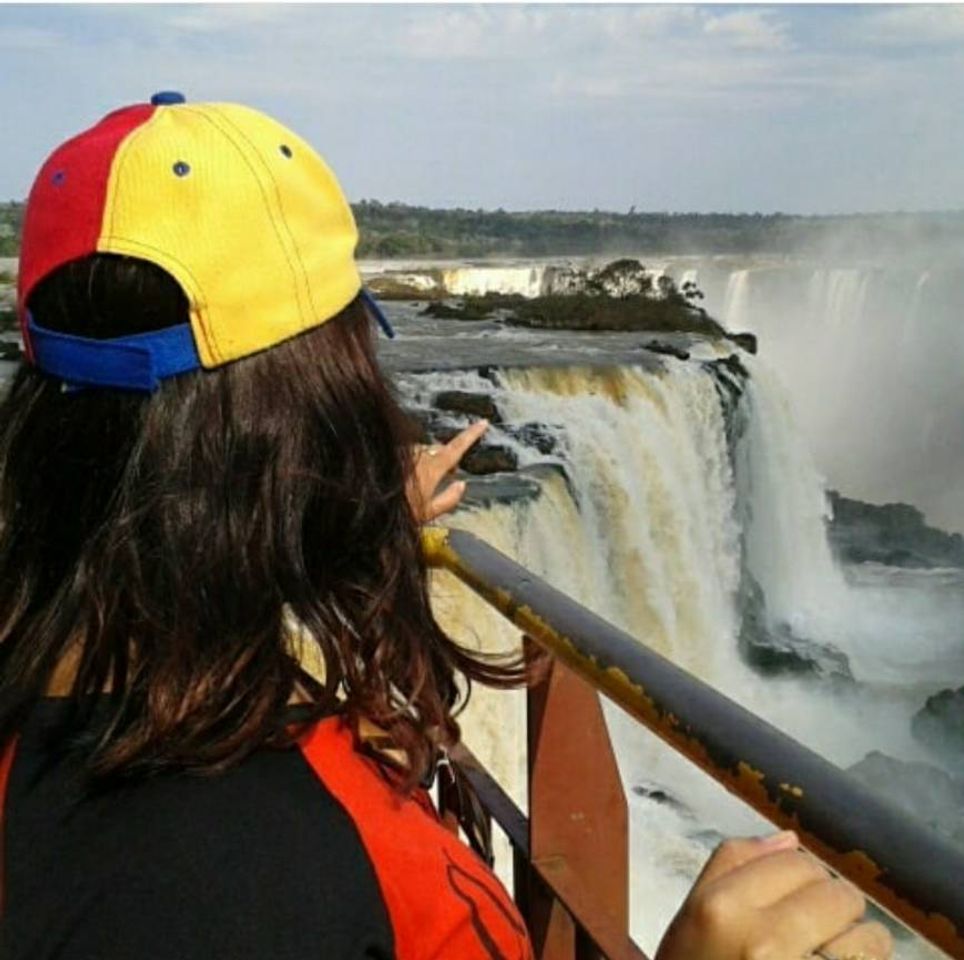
[[910, 327], [646, 513], [871, 354], [647, 459], [873, 357], [736, 300], [838, 296], [525, 280], [641, 529], [785, 511], [651, 539]]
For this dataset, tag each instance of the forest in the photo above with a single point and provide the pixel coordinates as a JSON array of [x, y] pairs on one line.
[[398, 230]]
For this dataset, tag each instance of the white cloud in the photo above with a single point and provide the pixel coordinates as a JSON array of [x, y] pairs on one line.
[[28, 38], [923, 24], [474, 102], [670, 55], [749, 29], [208, 19], [452, 33]]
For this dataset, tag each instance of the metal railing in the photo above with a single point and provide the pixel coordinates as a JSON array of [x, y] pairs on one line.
[[571, 855]]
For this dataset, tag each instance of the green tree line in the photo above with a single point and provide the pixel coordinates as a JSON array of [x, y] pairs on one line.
[[397, 230]]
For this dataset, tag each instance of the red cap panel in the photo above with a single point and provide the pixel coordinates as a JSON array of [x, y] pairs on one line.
[[65, 211]]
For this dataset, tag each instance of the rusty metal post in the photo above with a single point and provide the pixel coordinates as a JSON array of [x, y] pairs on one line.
[[578, 822], [551, 927]]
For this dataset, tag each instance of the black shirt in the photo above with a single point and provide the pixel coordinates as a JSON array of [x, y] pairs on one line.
[[292, 854]]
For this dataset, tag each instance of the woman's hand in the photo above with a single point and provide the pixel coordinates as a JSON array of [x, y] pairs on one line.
[[762, 899], [432, 465]]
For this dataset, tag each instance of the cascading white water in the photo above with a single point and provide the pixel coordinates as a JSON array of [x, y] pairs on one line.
[[735, 299], [910, 326], [873, 357], [838, 296], [871, 354], [656, 536], [647, 533], [786, 511], [783, 513], [525, 280]]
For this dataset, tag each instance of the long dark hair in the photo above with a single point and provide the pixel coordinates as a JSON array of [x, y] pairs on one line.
[[166, 545]]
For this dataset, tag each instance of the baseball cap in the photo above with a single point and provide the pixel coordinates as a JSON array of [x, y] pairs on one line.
[[239, 210]]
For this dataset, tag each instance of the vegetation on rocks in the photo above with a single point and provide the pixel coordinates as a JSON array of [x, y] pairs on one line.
[[8, 296], [634, 312], [620, 296], [11, 223], [471, 308]]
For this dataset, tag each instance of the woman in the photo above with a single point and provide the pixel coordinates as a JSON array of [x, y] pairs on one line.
[[222, 683]]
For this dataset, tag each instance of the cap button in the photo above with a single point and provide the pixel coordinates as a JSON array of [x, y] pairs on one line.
[[166, 98]]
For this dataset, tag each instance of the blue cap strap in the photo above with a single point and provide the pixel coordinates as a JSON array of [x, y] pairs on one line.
[[378, 313], [137, 362]]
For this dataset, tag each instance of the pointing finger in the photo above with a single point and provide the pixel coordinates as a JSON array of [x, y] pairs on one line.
[[448, 457]]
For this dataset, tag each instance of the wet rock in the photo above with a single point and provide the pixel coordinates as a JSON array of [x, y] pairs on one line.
[[534, 435], [939, 724], [745, 341], [668, 349], [484, 459], [402, 286], [733, 365], [656, 793], [730, 378], [774, 647], [928, 793], [501, 488], [894, 534], [475, 405], [429, 426], [551, 469], [779, 650], [473, 309]]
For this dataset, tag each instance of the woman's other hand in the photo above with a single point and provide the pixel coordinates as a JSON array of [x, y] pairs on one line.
[[432, 465], [763, 899]]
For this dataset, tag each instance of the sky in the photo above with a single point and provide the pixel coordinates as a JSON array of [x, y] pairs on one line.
[[699, 108]]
